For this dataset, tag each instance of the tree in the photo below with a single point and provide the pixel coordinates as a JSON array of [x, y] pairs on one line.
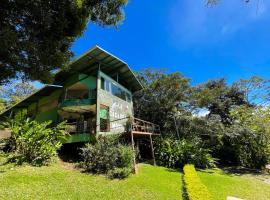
[[256, 90], [36, 35], [15, 92], [162, 97], [3, 104], [218, 98]]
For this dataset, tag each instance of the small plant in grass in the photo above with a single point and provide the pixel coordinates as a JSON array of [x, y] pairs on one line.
[[33, 142], [195, 189], [108, 156]]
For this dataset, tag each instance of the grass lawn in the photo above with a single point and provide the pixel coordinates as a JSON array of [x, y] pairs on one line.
[[60, 182], [248, 186]]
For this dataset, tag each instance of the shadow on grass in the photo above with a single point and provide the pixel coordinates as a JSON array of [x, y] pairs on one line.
[[236, 170], [174, 170], [184, 190]]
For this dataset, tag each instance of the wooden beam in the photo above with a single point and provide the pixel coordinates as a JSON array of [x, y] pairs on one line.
[[134, 152], [152, 149]]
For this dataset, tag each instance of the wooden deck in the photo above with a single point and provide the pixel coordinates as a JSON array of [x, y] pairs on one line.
[[141, 128], [144, 127]]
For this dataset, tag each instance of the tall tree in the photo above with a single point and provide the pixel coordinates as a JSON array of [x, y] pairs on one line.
[[36, 35], [219, 98], [256, 90], [14, 92], [162, 97]]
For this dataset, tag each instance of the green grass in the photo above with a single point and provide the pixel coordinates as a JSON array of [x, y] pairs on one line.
[[247, 187], [58, 182]]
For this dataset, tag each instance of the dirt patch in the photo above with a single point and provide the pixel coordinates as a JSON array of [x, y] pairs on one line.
[[68, 165], [5, 134]]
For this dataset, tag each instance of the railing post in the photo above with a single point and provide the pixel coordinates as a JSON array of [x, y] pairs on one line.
[[152, 148], [134, 152]]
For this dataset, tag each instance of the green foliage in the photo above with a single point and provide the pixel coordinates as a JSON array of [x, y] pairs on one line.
[[35, 143], [255, 90], [119, 173], [108, 156], [12, 93], [174, 153], [245, 147], [161, 97], [219, 98], [7, 145], [36, 35], [196, 190]]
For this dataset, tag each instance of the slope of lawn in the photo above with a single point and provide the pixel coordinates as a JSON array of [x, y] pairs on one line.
[[58, 182], [247, 187]]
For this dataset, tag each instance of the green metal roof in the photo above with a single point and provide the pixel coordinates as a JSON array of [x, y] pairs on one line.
[[87, 63], [96, 57], [43, 92]]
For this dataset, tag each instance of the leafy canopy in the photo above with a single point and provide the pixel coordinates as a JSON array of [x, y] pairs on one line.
[[12, 93], [36, 35], [162, 96], [219, 98]]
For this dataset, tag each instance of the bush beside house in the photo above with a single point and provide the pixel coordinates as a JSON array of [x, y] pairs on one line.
[[108, 156], [33, 142]]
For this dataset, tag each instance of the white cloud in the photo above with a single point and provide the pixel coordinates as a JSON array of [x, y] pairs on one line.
[[192, 22]]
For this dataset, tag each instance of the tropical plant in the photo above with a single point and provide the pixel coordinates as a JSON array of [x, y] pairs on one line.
[[35, 143], [108, 156], [174, 153]]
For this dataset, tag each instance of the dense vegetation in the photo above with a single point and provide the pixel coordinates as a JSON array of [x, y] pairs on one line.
[[35, 36], [234, 128], [176, 153], [108, 156], [33, 142]]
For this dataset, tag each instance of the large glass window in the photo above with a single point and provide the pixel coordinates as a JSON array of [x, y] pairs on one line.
[[128, 97], [105, 84], [117, 91]]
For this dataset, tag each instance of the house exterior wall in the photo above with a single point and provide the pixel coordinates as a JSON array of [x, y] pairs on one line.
[[51, 112], [119, 109]]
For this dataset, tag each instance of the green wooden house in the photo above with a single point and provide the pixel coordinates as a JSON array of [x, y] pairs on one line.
[[94, 96]]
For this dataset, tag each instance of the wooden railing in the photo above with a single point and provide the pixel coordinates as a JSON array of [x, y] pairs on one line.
[[145, 127]]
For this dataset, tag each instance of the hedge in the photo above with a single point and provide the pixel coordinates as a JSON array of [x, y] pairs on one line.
[[195, 189]]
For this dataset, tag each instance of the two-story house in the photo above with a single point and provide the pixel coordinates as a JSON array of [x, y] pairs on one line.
[[94, 96]]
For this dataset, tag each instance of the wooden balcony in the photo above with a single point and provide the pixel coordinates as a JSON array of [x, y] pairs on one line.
[[144, 127]]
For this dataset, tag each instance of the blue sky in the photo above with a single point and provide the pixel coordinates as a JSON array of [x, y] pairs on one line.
[[230, 40]]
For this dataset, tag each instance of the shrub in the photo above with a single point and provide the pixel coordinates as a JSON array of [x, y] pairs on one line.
[[174, 153], [7, 145], [195, 189], [119, 173], [34, 142], [107, 156], [242, 146]]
